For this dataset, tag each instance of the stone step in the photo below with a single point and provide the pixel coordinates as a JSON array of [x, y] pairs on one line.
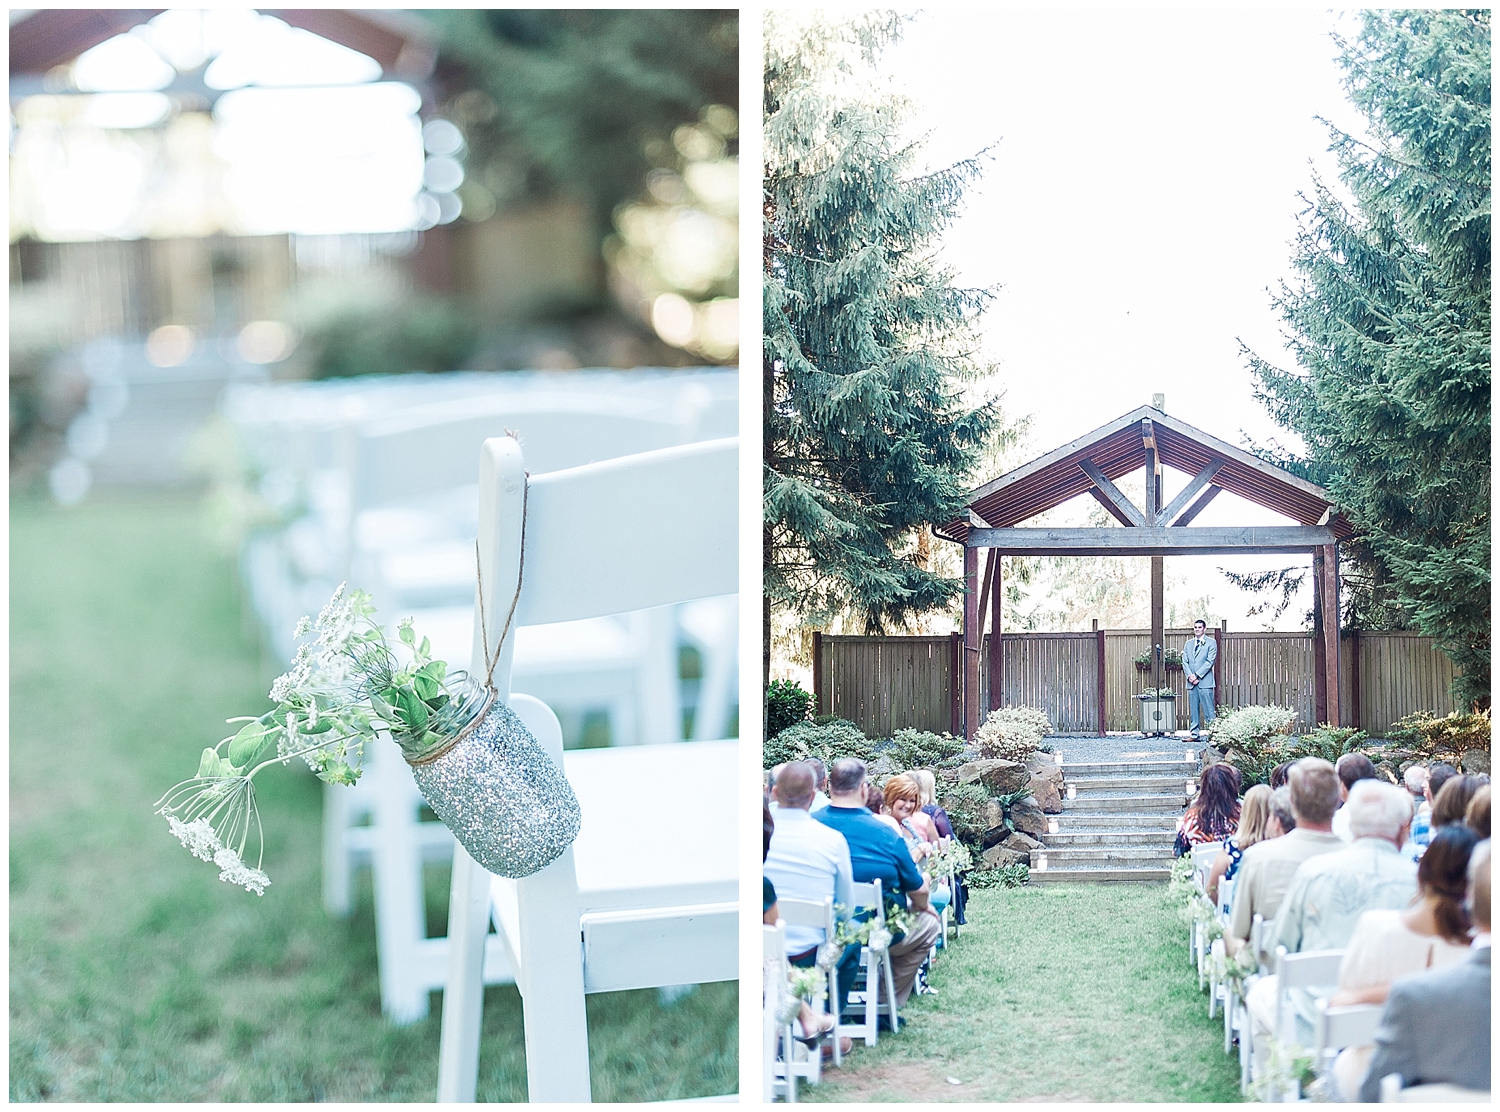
[[1061, 839], [1076, 821], [1105, 855], [1099, 876], [1134, 803], [1129, 768], [1167, 784]]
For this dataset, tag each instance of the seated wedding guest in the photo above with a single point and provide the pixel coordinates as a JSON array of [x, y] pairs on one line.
[[928, 783], [809, 861], [1430, 934], [1436, 1025], [1215, 810], [820, 782], [1437, 775], [1279, 774], [944, 825], [1267, 868], [1351, 768], [768, 912], [1452, 801], [1255, 808], [1330, 892], [1477, 817], [875, 804], [878, 853], [903, 799], [1281, 820]]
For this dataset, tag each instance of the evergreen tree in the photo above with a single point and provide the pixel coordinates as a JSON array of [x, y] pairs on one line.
[[868, 342], [1390, 321]]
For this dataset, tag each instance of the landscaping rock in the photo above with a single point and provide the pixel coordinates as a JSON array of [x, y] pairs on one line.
[[1000, 776], [1022, 842], [881, 766], [995, 829], [1044, 766], [1045, 792], [1474, 761], [1028, 816], [1000, 856]]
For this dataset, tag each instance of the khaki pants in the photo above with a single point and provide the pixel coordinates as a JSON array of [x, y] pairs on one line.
[[908, 955]]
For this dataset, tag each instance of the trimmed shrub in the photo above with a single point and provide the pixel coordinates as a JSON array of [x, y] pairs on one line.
[[1253, 740], [966, 804], [921, 749], [1327, 742], [828, 741], [1429, 737], [786, 705], [1012, 733]]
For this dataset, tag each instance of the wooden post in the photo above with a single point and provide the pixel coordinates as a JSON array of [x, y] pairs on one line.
[[970, 677], [1099, 675], [1320, 646], [997, 637], [1331, 631], [1158, 608], [956, 674], [1353, 714], [818, 676]]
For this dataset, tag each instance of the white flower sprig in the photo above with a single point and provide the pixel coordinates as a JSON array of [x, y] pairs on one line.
[[341, 690]]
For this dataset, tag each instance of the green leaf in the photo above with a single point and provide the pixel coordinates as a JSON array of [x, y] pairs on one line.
[[408, 638], [426, 687], [247, 743], [413, 711], [426, 649], [208, 764], [324, 724]]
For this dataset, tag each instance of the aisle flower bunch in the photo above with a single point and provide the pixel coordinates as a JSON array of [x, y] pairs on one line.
[[949, 858], [344, 688]]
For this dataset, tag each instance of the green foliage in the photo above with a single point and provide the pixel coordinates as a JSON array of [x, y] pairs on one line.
[[1005, 876], [352, 334], [920, 749], [828, 741], [1327, 742], [786, 704], [1390, 322], [1012, 733], [966, 805], [585, 102], [868, 343], [1253, 739], [1144, 658], [1171, 656], [1429, 737]]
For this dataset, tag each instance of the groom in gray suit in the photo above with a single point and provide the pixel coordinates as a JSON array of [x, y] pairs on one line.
[[1436, 1025], [1198, 658]]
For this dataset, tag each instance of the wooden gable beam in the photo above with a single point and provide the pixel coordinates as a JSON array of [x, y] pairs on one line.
[[1148, 438], [1110, 496], [1153, 541], [1199, 481], [1196, 508]]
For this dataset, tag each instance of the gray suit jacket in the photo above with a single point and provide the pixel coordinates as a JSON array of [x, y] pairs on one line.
[[1436, 1027], [1199, 662]]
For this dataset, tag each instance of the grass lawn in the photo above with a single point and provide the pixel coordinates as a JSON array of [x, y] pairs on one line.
[[1062, 993], [134, 973]]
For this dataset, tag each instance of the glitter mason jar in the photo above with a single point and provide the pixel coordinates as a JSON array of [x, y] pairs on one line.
[[501, 795]]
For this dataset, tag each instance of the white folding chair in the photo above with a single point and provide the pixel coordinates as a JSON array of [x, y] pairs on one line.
[[811, 913], [1203, 857], [877, 975], [1391, 1092], [1217, 989], [776, 1042], [712, 626], [1337, 1028], [1314, 969], [612, 912]]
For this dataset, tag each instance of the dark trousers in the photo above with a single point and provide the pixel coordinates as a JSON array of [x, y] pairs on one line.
[[847, 967]]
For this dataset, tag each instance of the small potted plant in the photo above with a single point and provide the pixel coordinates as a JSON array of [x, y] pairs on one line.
[[1158, 710], [473, 759], [1172, 658], [1143, 662]]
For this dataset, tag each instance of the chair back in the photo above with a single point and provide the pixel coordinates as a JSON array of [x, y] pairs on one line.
[[1351, 1025], [1307, 970], [1204, 856], [807, 913], [868, 895]]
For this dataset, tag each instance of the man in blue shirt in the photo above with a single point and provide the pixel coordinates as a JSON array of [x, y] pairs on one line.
[[877, 852]]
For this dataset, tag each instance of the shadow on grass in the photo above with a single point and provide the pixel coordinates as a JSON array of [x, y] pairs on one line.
[[135, 974]]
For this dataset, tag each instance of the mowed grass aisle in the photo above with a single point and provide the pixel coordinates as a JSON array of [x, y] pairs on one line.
[[1063, 993], [134, 973]]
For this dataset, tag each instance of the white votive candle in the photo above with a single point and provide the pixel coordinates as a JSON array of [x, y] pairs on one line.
[[1072, 791], [1057, 757], [1041, 862], [1191, 787], [1051, 826]]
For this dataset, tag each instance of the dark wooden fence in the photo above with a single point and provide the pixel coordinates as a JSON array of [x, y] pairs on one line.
[[886, 683]]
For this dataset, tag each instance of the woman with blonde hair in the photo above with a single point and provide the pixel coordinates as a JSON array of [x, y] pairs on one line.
[[903, 800], [1255, 810]]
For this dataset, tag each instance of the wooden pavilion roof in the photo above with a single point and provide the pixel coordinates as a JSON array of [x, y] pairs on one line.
[[1119, 448]]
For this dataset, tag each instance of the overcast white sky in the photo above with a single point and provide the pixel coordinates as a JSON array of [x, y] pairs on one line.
[[1141, 200]]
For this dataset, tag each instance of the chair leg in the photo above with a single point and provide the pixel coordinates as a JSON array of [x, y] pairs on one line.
[[400, 920], [872, 998], [338, 893], [890, 989], [551, 955], [833, 1006], [463, 996]]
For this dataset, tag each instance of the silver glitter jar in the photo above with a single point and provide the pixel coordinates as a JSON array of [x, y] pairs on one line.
[[500, 794]]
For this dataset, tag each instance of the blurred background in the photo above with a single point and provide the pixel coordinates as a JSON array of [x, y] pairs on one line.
[[274, 276]]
